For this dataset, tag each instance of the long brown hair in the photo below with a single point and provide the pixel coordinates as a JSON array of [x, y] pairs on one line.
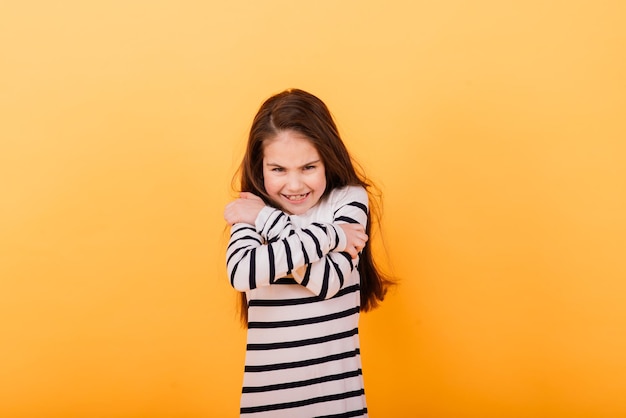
[[299, 111]]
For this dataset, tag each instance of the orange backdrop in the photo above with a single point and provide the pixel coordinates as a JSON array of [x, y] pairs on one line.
[[496, 131]]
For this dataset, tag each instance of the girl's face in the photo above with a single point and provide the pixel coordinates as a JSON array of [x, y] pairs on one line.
[[293, 172]]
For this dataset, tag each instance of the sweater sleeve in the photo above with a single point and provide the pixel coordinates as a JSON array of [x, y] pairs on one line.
[[258, 255], [253, 259], [328, 275], [273, 224]]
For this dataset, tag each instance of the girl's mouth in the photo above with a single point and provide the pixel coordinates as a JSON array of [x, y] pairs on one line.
[[296, 197]]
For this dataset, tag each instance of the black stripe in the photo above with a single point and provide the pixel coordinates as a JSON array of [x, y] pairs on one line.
[[270, 253], [336, 239], [243, 227], [232, 275], [307, 276], [302, 363], [349, 414], [348, 289], [306, 256], [338, 270], [320, 226], [349, 258], [309, 382], [358, 205], [301, 301], [233, 253], [245, 237], [324, 289], [283, 302], [305, 279], [252, 272], [355, 204], [280, 215], [304, 402], [288, 252], [285, 280], [302, 343], [347, 220], [317, 243], [304, 321]]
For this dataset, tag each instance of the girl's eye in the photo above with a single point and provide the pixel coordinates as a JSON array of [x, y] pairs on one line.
[[278, 169], [309, 167]]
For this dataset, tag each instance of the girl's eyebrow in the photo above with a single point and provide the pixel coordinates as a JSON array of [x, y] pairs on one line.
[[311, 163], [280, 166]]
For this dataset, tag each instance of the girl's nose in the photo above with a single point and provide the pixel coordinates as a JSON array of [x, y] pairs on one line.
[[294, 183]]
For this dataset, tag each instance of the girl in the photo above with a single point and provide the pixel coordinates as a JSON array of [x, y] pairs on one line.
[[298, 253]]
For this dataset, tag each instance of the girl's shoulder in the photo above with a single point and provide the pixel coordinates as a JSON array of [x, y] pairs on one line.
[[348, 194], [325, 210]]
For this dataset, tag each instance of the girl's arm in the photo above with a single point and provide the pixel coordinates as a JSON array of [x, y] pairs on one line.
[[314, 255], [253, 261], [328, 275]]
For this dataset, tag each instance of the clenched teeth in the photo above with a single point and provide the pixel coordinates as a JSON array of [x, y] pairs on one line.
[[296, 196]]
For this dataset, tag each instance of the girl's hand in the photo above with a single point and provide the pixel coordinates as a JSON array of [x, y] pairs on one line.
[[356, 238], [244, 210]]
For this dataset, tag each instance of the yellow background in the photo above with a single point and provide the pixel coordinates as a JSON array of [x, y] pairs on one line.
[[495, 129]]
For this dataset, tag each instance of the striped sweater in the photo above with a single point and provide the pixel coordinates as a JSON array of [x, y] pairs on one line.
[[303, 355]]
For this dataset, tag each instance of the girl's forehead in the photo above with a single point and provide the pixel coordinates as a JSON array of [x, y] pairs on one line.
[[286, 134], [289, 147], [289, 138]]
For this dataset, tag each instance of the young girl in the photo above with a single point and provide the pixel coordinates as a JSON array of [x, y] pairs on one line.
[[298, 253]]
